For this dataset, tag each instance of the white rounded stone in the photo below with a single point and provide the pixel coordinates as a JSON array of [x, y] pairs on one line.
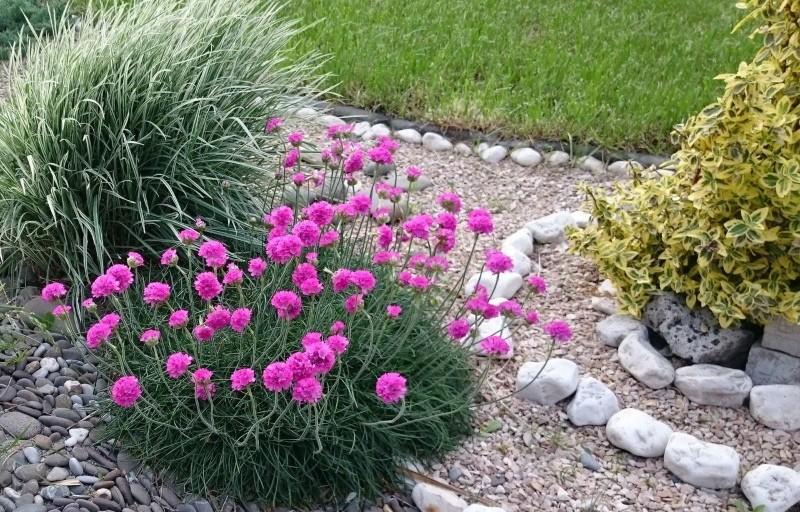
[[432, 498], [306, 113], [709, 384], [775, 488], [494, 154], [359, 129], [436, 142], [526, 157], [615, 328], [594, 403], [700, 463], [483, 146], [522, 264], [591, 164], [330, 120], [550, 228], [557, 158], [776, 406], [607, 288], [605, 305], [521, 240], [624, 168], [409, 135], [463, 149], [644, 362], [50, 364], [504, 284], [558, 380], [581, 219], [638, 433], [497, 326]]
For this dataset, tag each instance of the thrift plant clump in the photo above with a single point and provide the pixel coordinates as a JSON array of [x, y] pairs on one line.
[[318, 363]]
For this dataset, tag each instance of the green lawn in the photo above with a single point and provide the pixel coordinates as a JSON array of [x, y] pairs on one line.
[[619, 73]]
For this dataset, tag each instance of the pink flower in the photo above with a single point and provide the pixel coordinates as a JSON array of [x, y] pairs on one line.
[[277, 377], [337, 327], [336, 131], [188, 236], [354, 162], [177, 364], [111, 319], [328, 238], [498, 262], [510, 308], [458, 328], [364, 279], [445, 240], [380, 155], [199, 224], [532, 317], [204, 389], [156, 293], [418, 226], [307, 231], [321, 357], [122, 274], [178, 319], [298, 179], [203, 333], [559, 330], [307, 391], [169, 257], [234, 275], [390, 387], [150, 336], [449, 201], [420, 283], [207, 285], [126, 391], [446, 220], [281, 217], [385, 237], [385, 258], [240, 318], [538, 283], [311, 286], [300, 365], [341, 280], [218, 318], [494, 346], [282, 249], [273, 124], [62, 311], [413, 173], [291, 158], [241, 378], [135, 260], [53, 291], [256, 267], [295, 138], [312, 257], [287, 304], [104, 285], [393, 310], [353, 303], [310, 338], [89, 305], [437, 263], [321, 213], [302, 272], [479, 221], [389, 143], [338, 343], [97, 334], [214, 253]]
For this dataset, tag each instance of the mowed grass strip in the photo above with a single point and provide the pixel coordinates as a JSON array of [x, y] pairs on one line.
[[615, 73]]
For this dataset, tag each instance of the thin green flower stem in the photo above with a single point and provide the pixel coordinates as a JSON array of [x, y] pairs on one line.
[[523, 388], [450, 297]]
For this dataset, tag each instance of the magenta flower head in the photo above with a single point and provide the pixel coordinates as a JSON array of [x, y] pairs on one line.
[[214, 253], [178, 319], [341, 280], [177, 364], [169, 258], [302, 272], [538, 283], [381, 155], [307, 231], [321, 213], [156, 293], [353, 303], [300, 365], [363, 279], [532, 317], [321, 357], [510, 308], [449, 201], [458, 328], [393, 310], [62, 311], [150, 337], [282, 249], [498, 262], [312, 286], [479, 221], [199, 224], [272, 124], [241, 378], [122, 274], [559, 330], [126, 391], [494, 346], [328, 238], [391, 387], [337, 327], [287, 304], [240, 319], [298, 179], [53, 291], [207, 285], [203, 333], [111, 319], [97, 334], [338, 343], [291, 158], [277, 377], [310, 338], [413, 173], [418, 226], [234, 275], [204, 389], [218, 318], [188, 236], [134, 260], [89, 305], [354, 162], [295, 138], [257, 267], [307, 391], [104, 285]]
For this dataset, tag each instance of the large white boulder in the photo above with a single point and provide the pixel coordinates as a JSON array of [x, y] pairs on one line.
[[526, 157], [428, 497], [644, 362], [504, 284], [550, 228], [709, 384], [775, 488], [776, 406], [700, 463], [593, 404], [638, 433], [547, 382], [436, 142], [522, 264], [521, 240], [613, 329]]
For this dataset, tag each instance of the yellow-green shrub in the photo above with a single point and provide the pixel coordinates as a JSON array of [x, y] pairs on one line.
[[724, 229]]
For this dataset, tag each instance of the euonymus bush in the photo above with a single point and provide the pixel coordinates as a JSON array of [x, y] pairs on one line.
[[313, 365], [117, 136], [724, 229]]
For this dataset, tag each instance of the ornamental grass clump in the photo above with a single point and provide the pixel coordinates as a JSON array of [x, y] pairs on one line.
[[114, 136], [313, 365], [724, 229]]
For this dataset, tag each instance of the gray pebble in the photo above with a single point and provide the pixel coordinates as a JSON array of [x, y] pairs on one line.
[[6, 504], [52, 491], [140, 494], [202, 506], [75, 466], [57, 474], [185, 507], [88, 479], [32, 507], [589, 461], [33, 454], [56, 460]]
